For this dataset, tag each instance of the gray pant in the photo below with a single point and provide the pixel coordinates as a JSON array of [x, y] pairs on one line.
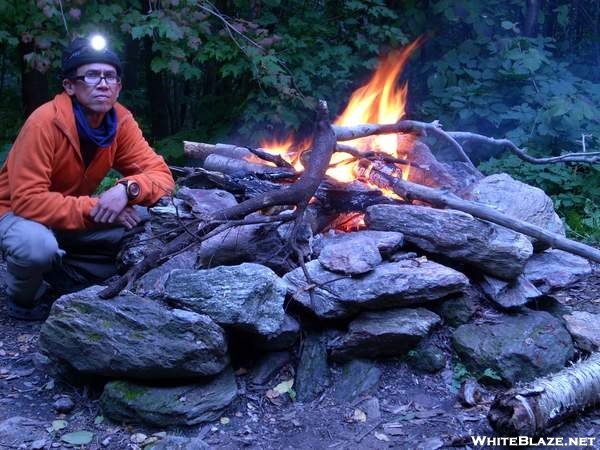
[[37, 256]]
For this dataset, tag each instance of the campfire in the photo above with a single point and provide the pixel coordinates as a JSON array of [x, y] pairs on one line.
[[363, 225]]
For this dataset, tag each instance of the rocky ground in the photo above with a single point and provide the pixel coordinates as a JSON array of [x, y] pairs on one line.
[[407, 409]]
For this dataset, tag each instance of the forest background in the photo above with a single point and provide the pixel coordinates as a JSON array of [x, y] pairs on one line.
[[242, 71]]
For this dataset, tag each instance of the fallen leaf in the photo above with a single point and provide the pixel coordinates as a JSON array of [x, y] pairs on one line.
[[98, 420], [272, 393], [224, 420], [284, 386], [381, 437], [78, 437], [59, 424], [359, 416]]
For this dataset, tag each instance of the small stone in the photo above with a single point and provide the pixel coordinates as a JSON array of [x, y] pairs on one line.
[[138, 438], [63, 405], [38, 445]]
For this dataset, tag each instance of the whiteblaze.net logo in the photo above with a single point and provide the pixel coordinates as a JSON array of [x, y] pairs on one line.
[[523, 441]]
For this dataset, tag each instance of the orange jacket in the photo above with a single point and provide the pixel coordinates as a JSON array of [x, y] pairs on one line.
[[44, 178]]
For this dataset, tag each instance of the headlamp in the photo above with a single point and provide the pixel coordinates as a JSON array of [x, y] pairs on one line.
[[97, 42]]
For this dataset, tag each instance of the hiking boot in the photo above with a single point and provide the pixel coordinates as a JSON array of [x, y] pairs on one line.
[[37, 312]]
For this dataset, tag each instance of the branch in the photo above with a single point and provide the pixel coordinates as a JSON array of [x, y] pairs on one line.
[[403, 126], [378, 174], [297, 194], [581, 157]]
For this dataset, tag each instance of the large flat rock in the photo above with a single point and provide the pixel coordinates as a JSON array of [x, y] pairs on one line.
[[487, 247], [391, 284], [131, 336], [248, 297]]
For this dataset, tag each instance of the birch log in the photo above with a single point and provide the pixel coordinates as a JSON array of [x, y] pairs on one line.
[[545, 403]]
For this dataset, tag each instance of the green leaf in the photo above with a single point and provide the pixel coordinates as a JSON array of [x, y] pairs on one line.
[[78, 437], [59, 424]]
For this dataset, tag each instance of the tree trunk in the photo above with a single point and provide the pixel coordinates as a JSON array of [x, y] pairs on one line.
[[34, 84]]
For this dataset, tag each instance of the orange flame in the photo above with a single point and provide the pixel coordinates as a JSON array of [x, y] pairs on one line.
[[379, 101], [287, 150]]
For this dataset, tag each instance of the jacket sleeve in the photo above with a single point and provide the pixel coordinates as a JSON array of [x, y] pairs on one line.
[[29, 166], [136, 160]]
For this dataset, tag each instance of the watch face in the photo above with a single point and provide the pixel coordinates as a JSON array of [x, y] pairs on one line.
[[133, 189]]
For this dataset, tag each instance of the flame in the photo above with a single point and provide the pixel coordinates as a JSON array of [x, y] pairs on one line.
[[379, 101], [287, 150]]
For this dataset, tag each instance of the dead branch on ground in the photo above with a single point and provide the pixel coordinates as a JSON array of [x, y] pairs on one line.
[[545, 403]]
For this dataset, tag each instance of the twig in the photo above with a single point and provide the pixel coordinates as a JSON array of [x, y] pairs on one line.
[[403, 126], [581, 157]]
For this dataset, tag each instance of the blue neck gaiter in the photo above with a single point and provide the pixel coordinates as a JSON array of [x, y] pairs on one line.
[[101, 137]]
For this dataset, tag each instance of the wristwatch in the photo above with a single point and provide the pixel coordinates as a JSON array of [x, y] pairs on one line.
[[132, 188]]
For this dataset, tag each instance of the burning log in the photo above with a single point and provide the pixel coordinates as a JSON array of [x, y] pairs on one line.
[[547, 402], [201, 151], [389, 177], [241, 168]]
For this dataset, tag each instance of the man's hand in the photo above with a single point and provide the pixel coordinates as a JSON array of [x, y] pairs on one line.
[[110, 205], [129, 217]]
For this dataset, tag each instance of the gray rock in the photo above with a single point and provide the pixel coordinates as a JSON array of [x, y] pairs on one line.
[[518, 200], [16, 431], [124, 401], [268, 365], [402, 283], [152, 283], [387, 242], [358, 377], [460, 308], [583, 326], [426, 357], [383, 333], [312, 374], [248, 297], [518, 347], [554, 269], [131, 336], [205, 202], [354, 255], [284, 337], [509, 294], [493, 249], [178, 443], [64, 404]]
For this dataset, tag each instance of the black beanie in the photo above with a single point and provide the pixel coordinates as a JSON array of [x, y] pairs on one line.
[[80, 52]]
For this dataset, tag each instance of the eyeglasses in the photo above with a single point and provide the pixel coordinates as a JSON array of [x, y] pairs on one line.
[[95, 77]]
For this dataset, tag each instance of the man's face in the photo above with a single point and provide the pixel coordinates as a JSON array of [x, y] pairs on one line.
[[95, 98]]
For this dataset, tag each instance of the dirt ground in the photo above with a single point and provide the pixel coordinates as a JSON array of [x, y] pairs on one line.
[[409, 410]]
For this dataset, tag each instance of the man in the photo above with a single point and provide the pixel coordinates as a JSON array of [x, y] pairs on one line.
[[53, 231]]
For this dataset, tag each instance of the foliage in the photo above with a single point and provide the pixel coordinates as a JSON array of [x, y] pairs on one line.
[[574, 189], [499, 82]]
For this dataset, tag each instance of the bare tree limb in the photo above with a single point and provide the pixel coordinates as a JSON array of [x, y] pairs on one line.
[[434, 128], [581, 157]]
